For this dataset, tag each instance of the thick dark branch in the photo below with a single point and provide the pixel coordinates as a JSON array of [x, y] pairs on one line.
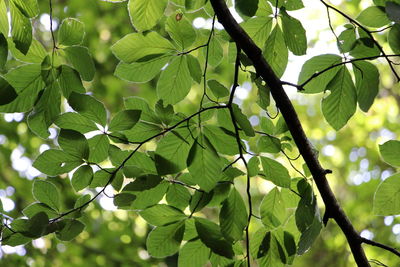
[[288, 112]]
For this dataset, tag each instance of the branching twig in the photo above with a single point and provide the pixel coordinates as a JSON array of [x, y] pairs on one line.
[[369, 33]]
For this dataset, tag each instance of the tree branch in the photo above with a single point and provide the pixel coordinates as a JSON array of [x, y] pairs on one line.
[[379, 245], [288, 112]]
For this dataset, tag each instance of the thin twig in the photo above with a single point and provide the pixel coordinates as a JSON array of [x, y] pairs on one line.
[[377, 244]]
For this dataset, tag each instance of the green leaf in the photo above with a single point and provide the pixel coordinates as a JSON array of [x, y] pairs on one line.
[[124, 120], [194, 68], [193, 253], [81, 201], [294, 34], [180, 30], [29, 8], [98, 146], [36, 225], [275, 51], [387, 197], [393, 11], [199, 200], [307, 209], [223, 140], [150, 197], [81, 60], [212, 237], [21, 30], [346, 39], [269, 144], [124, 200], [71, 32], [246, 7], [45, 111], [3, 50], [7, 92], [390, 152], [11, 239], [46, 193], [164, 241], [36, 207], [82, 177], [218, 89], [242, 121], [142, 131], [145, 14], [315, 65], [204, 164], [161, 214], [71, 230], [178, 196], [367, 83], [341, 104], [141, 104], [103, 177], [88, 107], [166, 113], [215, 52], [252, 166], [4, 26], [74, 143], [394, 38], [270, 251], [55, 162], [75, 121], [308, 237], [258, 28], [275, 172], [175, 81], [273, 209], [135, 46], [373, 16], [233, 217], [35, 54], [171, 150], [364, 46], [70, 81], [140, 72]]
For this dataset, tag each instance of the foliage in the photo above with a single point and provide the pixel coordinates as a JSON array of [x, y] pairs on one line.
[[215, 177]]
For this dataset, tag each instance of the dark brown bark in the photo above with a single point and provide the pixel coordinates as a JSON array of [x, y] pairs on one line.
[[263, 69]]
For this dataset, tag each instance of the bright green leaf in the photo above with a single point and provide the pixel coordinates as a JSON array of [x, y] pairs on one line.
[[71, 32], [135, 46], [81, 60], [387, 197], [46, 193], [74, 143], [390, 152], [233, 217], [341, 104], [82, 177], [124, 120], [314, 66], [161, 214], [275, 172], [164, 241], [144, 14], [55, 162], [175, 81]]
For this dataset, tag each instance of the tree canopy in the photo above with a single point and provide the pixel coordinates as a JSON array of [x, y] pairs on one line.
[[199, 133]]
